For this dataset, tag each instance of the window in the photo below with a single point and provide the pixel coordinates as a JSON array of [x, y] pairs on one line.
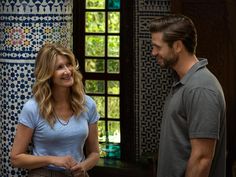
[[99, 46]]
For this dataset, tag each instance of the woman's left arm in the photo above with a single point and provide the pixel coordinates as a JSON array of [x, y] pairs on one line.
[[92, 151], [92, 147]]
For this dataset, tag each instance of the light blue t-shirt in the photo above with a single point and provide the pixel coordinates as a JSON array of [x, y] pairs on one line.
[[61, 140]]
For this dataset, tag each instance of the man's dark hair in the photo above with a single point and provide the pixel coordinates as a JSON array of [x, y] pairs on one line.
[[176, 27]]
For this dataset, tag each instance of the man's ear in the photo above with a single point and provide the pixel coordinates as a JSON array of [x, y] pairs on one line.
[[178, 46]]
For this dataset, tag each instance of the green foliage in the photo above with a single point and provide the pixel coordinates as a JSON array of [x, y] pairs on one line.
[[95, 65], [101, 131], [95, 22], [94, 45], [113, 66], [113, 46], [95, 86], [100, 102], [113, 22], [95, 4], [113, 87], [113, 107], [114, 131]]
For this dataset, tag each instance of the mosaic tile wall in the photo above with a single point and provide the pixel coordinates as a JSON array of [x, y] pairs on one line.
[[152, 84], [25, 25]]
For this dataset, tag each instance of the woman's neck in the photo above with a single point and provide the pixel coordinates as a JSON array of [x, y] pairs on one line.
[[61, 95]]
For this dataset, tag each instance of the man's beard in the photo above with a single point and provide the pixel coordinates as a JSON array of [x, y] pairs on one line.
[[170, 62]]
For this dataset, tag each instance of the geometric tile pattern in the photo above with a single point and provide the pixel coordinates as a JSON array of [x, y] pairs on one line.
[[156, 6], [25, 25], [23, 38], [16, 83], [152, 82]]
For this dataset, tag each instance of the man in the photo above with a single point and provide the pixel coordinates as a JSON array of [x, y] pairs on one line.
[[193, 131]]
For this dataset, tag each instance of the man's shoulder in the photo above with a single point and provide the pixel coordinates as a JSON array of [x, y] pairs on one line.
[[203, 78]]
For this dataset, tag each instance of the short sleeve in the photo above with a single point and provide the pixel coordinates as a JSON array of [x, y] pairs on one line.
[[203, 113], [28, 114], [92, 110]]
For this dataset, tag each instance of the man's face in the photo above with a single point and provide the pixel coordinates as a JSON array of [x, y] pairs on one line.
[[165, 55]]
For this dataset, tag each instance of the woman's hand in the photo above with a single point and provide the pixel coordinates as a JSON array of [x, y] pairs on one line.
[[79, 170], [64, 161]]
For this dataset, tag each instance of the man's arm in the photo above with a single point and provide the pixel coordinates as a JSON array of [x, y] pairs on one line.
[[202, 153]]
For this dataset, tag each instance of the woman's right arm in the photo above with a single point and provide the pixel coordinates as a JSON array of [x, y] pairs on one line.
[[20, 158]]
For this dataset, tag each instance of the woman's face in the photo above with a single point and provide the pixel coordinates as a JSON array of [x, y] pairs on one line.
[[63, 73]]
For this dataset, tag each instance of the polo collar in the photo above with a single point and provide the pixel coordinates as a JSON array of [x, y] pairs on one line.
[[200, 64]]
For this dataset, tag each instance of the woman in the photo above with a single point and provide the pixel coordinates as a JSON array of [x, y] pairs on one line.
[[59, 120]]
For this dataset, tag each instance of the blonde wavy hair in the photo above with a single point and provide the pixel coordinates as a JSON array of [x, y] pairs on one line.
[[44, 69]]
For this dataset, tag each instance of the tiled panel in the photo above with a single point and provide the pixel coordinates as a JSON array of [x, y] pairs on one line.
[[152, 82], [156, 6], [25, 25]]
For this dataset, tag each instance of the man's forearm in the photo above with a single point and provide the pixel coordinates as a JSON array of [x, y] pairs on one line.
[[199, 167]]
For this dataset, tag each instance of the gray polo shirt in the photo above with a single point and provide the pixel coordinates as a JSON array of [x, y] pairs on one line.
[[195, 108]]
